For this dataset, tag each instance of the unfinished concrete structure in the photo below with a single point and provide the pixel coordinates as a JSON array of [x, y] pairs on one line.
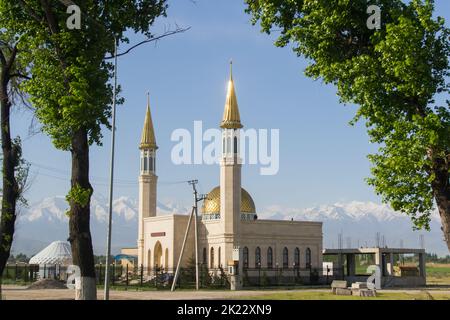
[[404, 276]]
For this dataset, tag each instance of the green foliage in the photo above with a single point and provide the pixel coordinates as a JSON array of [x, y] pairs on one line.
[[21, 170], [69, 86], [205, 276], [189, 271], [79, 195], [433, 257], [20, 257], [393, 74]]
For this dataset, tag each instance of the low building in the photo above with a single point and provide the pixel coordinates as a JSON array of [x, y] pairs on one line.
[[346, 267]]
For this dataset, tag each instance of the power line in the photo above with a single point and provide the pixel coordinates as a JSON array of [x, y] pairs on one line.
[[121, 182]]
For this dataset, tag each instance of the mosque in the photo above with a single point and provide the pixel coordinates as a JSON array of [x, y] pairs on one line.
[[228, 219]]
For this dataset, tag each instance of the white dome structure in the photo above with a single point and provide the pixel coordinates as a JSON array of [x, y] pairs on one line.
[[58, 252]]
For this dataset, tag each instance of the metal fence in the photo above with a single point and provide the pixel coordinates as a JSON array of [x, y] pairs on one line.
[[264, 277], [161, 278], [25, 273]]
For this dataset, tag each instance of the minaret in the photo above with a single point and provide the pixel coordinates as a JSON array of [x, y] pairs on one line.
[[230, 165], [147, 178]]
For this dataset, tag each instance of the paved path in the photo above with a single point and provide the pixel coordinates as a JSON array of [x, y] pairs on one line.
[[21, 293]]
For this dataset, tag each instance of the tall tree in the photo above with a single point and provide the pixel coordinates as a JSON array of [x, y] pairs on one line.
[[70, 89], [14, 168], [397, 75]]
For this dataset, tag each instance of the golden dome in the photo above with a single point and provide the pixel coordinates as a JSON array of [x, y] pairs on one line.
[[212, 202]]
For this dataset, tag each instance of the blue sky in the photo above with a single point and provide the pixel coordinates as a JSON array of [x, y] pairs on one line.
[[322, 158]]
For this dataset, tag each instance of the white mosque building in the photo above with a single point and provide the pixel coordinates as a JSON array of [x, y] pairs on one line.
[[228, 218]]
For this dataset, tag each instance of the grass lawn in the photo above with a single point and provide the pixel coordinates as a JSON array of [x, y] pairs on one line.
[[438, 274], [315, 295]]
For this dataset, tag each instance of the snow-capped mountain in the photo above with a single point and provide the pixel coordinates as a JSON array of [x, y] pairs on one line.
[[359, 223], [46, 221]]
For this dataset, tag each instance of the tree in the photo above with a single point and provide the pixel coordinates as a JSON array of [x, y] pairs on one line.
[[396, 75], [70, 92], [14, 168]]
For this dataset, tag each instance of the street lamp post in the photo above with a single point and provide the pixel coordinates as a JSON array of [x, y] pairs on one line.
[[111, 175]]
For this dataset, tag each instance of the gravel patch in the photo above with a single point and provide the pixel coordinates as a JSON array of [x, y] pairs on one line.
[[47, 284]]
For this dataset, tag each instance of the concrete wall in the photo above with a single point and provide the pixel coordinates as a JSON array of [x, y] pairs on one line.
[[390, 281]]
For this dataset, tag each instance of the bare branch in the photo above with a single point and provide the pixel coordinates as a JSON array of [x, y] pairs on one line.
[[151, 39], [20, 75]]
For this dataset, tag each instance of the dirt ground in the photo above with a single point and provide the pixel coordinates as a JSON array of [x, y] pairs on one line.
[[21, 293]]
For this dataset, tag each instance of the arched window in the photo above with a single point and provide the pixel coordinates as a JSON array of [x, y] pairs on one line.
[[228, 145], [285, 258], [308, 258], [258, 257], [145, 163], [269, 258], [211, 259], [235, 146], [219, 258], [223, 146], [204, 258], [151, 164], [245, 256], [297, 258]]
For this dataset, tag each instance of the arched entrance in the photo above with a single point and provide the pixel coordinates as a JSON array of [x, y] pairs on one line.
[[157, 256]]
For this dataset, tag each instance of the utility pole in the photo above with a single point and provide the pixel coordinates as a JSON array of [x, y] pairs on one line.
[[197, 199], [194, 213], [111, 175]]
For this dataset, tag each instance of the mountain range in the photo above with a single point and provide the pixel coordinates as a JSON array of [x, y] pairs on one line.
[[357, 222]]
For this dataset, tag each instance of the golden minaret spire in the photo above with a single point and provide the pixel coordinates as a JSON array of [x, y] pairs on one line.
[[231, 118], [148, 140]]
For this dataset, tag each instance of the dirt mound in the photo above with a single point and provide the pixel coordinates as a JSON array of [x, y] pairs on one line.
[[47, 284]]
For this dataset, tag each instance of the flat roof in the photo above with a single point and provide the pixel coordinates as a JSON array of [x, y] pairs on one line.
[[372, 250]]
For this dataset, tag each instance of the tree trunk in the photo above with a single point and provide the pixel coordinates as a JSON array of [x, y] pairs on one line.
[[10, 188], [79, 233], [441, 191]]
